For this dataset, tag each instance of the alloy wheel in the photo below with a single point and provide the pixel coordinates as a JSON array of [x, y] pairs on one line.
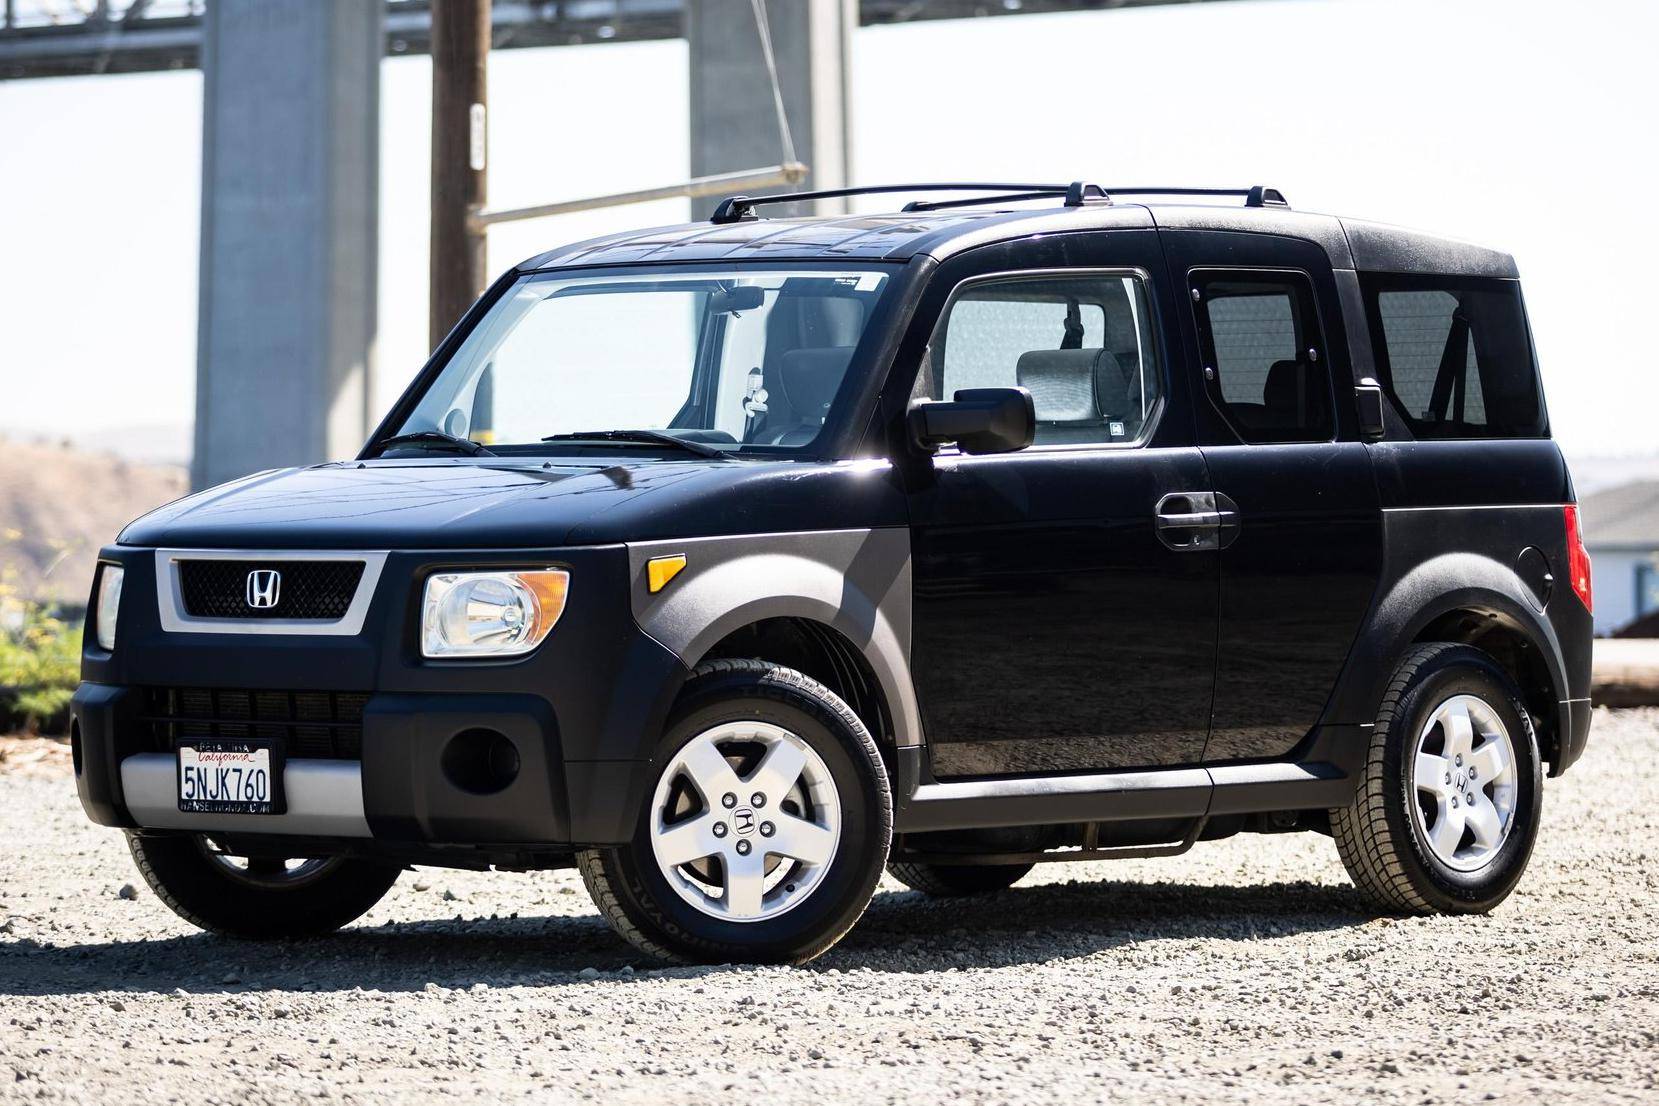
[[267, 873], [745, 821], [1464, 778]]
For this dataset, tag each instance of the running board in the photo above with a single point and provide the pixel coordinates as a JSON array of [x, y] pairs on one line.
[[1091, 849], [922, 804]]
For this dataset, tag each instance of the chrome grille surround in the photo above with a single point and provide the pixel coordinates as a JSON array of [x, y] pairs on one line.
[[176, 619]]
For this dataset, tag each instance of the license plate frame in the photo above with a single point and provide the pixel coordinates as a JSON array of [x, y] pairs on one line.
[[238, 758]]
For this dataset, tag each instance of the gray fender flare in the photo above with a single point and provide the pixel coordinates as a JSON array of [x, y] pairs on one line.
[[855, 581], [1438, 586]]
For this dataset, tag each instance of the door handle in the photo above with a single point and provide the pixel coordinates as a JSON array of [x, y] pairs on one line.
[[1188, 520], [1191, 522]]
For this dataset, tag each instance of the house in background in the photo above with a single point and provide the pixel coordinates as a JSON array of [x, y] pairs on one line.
[[1621, 531]]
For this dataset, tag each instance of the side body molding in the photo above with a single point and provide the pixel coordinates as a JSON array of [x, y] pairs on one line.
[[855, 581]]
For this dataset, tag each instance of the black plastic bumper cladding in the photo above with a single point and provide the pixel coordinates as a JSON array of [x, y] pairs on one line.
[[105, 731], [407, 795], [582, 713]]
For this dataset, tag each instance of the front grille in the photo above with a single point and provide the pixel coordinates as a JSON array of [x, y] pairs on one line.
[[326, 725], [321, 590]]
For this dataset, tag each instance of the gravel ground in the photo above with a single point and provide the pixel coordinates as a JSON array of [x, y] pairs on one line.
[[1242, 972]]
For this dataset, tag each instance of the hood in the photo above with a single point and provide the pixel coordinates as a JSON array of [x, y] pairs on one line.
[[422, 503]]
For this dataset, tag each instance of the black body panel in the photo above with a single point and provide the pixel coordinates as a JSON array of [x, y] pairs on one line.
[[1296, 581], [1459, 519], [1295, 586], [1054, 631]]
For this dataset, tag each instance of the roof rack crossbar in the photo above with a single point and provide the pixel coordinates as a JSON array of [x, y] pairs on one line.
[[735, 209], [1257, 195]]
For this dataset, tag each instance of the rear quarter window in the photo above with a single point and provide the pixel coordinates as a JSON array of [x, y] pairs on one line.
[[1454, 355]]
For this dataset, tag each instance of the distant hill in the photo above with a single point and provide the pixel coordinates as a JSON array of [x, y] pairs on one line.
[[59, 505], [148, 443]]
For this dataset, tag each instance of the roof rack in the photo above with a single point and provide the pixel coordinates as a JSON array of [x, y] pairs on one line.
[[735, 209]]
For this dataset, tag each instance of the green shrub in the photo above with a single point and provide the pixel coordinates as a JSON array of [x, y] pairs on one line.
[[39, 667]]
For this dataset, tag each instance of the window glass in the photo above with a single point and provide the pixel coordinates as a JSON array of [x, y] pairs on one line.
[[749, 359], [641, 346], [1647, 587], [1262, 355], [1454, 356], [1082, 346]]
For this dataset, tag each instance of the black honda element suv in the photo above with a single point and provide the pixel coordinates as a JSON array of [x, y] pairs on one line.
[[732, 563]]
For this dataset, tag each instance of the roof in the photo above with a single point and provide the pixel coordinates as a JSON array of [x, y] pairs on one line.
[[900, 236], [1625, 517]]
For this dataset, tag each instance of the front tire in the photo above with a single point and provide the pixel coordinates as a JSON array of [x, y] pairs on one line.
[[767, 830], [956, 880], [1448, 808], [257, 899]]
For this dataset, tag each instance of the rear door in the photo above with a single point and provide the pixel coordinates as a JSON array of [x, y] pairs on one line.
[[1057, 627], [1302, 536]]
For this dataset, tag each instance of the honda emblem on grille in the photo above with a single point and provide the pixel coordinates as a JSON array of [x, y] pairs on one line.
[[264, 585]]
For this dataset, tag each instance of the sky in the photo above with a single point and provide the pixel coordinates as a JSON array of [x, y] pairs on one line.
[[1520, 124]]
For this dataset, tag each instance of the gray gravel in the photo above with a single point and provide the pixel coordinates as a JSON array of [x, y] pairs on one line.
[[1243, 971]]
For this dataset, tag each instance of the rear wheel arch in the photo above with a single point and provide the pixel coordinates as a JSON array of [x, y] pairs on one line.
[[1461, 598], [1517, 653]]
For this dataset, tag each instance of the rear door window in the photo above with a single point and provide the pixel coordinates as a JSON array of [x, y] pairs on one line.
[[1264, 366], [1454, 355]]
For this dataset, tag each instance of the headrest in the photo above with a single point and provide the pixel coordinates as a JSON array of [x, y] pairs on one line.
[[1286, 386], [1073, 385], [809, 378]]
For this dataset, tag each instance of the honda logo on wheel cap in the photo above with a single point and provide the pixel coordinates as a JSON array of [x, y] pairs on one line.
[[264, 585]]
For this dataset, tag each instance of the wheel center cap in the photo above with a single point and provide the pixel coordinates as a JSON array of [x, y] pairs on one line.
[[743, 821]]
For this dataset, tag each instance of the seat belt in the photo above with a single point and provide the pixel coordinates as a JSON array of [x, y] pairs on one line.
[[1454, 361]]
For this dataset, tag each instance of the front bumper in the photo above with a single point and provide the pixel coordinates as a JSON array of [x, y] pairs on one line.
[[581, 716], [401, 789]]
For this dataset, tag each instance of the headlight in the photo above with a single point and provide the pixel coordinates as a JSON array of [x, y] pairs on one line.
[[490, 614], [109, 603]]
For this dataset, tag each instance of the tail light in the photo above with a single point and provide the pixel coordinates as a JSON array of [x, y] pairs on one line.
[[1578, 560]]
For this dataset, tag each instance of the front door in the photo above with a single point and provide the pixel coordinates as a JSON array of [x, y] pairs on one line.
[[1059, 626], [1276, 422]]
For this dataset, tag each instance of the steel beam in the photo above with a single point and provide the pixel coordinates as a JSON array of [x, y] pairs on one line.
[[169, 35]]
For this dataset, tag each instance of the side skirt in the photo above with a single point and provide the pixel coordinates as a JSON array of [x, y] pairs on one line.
[[1325, 777]]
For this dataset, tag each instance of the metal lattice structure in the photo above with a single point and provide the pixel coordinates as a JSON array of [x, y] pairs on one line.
[[72, 38]]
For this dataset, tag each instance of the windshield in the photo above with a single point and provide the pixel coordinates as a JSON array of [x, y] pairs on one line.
[[742, 361]]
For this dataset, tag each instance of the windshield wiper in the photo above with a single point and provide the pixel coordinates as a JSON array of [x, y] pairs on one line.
[[436, 438], [644, 437]]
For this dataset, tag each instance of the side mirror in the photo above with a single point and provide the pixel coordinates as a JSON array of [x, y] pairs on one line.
[[978, 420]]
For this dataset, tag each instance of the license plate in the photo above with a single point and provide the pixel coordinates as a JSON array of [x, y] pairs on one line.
[[229, 777]]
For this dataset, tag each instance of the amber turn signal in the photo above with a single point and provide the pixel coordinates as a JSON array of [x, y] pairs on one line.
[[660, 570]]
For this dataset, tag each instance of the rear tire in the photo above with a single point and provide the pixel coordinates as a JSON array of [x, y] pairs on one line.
[[714, 876], [257, 902], [1449, 802], [956, 880]]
